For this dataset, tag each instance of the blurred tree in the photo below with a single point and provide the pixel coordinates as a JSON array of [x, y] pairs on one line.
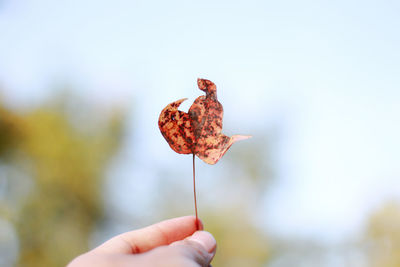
[[9, 131], [240, 243], [66, 166], [383, 236]]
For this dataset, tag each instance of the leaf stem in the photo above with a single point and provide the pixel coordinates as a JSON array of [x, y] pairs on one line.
[[194, 192]]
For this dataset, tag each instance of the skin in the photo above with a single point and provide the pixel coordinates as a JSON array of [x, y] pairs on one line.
[[173, 242]]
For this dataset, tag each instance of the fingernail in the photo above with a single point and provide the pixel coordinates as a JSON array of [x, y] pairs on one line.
[[205, 239]]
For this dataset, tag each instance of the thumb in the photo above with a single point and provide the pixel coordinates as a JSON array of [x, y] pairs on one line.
[[199, 247]]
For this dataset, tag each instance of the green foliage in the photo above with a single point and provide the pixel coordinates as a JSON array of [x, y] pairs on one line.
[[10, 131], [66, 166]]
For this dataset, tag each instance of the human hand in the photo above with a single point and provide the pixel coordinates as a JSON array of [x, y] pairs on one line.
[[173, 242]]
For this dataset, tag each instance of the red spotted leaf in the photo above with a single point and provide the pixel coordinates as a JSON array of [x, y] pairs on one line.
[[197, 132], [176, 127]]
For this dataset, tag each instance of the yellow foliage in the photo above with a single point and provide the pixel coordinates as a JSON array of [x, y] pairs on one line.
[[383, 236], [239, 242]]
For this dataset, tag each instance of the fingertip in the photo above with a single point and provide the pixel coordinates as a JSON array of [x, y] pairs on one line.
[[205, 239], [200, 247]]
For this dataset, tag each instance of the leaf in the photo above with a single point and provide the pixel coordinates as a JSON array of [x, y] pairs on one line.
[[197, 132], [175, 126]]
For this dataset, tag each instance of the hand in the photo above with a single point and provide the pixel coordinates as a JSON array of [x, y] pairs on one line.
[[173, 242]]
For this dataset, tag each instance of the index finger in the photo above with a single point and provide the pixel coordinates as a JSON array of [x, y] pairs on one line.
[[159, 234]]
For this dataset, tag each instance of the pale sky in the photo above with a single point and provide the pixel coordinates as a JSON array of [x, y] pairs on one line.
[[326, 72]]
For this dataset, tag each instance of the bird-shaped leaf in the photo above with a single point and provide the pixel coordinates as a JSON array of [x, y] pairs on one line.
[[197, 132]]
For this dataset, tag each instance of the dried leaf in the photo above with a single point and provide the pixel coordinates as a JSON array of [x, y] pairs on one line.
[[198, 131]]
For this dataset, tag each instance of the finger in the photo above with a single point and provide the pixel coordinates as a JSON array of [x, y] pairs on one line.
[[202, 238], [162, 233], [196, 250]]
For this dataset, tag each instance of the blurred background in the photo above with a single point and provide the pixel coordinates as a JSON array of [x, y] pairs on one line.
[[316, 83]]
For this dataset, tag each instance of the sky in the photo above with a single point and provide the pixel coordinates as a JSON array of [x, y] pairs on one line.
[[326, 73]]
